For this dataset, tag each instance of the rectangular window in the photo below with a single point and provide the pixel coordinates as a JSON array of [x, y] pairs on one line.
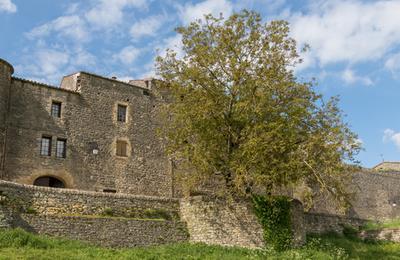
[[45, 146], [122, 148], [61, 148], [121, 113], [56, 109]]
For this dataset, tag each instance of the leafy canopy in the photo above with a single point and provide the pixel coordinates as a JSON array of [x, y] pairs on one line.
[[238, 113]]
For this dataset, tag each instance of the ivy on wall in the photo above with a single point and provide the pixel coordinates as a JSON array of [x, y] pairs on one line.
[[274, 215]]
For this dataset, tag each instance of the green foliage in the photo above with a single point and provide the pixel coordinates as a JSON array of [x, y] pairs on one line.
[[350, 232], [373, 225], [18, 238], [274, 216], [18, 244], [157, 214], [239, 114], [152, 214], [30, 210], [108, 212]]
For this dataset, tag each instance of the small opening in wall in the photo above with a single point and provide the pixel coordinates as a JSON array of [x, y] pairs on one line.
[[110, 191], [47, 181]]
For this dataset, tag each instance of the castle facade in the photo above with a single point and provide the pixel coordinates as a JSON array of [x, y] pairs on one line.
[[91, 133]]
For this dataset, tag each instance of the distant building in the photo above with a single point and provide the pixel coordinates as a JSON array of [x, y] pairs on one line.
[[388, 166]]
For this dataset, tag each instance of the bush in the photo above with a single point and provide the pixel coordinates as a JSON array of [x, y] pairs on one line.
[[274, 216], [157, 214], [30, 210], [108, 212]]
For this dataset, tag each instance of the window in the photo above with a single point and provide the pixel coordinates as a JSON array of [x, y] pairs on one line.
[[45, 146], [122, 148], [61, 148], [121, 113], [56, 109]]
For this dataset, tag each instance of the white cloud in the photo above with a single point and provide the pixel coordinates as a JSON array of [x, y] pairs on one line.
[[7, 6], [108, 13], [51, 60], [190, 12], [389, 135], [147, 27], [350, 77], [72, 27], [45, 65], [173, 43], [127, 55], [348, 31], [393, 64]]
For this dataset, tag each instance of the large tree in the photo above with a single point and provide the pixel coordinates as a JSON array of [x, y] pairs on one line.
[[239, 113]]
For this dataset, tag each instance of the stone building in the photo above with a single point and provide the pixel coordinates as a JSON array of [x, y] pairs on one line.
[[91, 133]]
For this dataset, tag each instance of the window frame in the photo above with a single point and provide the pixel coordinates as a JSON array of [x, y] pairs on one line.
[[63, 153], [124, 118], [49, 145], [58, 104]]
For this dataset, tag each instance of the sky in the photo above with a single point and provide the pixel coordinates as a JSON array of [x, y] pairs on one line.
[[355, 48]]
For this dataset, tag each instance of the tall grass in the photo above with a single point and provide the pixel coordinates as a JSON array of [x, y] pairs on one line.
[[18, 244], [394, 223]]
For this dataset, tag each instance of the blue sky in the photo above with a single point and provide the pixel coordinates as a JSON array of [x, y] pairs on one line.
[[355, 48]]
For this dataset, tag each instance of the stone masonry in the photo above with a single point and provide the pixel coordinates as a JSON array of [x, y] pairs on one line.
[[88, 123]]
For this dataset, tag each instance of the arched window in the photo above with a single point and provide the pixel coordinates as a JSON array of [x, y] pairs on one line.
[[47, 181]]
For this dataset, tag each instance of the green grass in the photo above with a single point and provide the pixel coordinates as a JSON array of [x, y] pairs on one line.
[[18, 244], [395, 223]]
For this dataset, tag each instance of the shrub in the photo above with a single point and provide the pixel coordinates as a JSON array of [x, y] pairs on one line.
[[30, 210], [108, 212], [157, 214], [274, 216]]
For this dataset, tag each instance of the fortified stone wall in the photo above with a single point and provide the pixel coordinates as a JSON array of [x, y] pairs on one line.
[[50, 201], [376, 197], [6, 70], [322, 223]]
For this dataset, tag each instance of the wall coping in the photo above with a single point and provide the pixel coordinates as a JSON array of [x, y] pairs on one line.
[[39, 84], [388, 174], [82, 192]]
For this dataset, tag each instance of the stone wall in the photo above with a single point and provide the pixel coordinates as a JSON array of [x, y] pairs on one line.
[[389, 234], [114, 232], [51, 201], [6, 70], [376, 196], [322, 223], [219, 222]]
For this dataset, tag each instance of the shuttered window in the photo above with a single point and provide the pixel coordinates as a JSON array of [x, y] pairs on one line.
[[122, 148]]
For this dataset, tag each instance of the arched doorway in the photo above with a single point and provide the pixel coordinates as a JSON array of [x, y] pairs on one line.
[[48, 181]]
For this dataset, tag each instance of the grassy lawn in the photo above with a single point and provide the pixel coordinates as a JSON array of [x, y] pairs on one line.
[[394, 223], [17, 244]]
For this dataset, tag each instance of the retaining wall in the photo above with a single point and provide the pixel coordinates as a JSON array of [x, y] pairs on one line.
[[50, 201], [319, 223], [231, 224], [111, 232]]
